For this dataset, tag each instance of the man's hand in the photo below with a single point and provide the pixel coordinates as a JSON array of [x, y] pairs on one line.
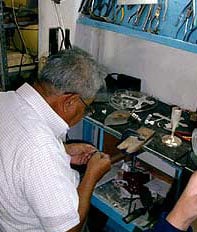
[[185, 210], [80, 152], [98, 165]]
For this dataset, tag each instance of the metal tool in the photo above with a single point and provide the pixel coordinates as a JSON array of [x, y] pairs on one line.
[[186, 18], [136, 12], [148, 17], [103, 8], [139, 15], [119, 19], [155, 20], [86, 6], [181, 15], [165, 10]]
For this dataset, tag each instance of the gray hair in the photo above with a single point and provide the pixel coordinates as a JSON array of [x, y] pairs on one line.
[[74, 71]]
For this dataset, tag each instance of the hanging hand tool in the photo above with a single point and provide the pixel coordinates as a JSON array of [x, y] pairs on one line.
[[138, 15], [97, 9], [103, 8], [119, 8], [148, 17], [155, 20], [101, 11], [86, 6], [136, 12], [181, 15], [81, 5], [186, 22], [165, 10]]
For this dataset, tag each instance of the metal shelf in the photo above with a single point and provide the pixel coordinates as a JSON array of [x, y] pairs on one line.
[[3, 53]]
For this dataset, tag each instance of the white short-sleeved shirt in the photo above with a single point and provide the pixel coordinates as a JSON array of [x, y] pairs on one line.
[[37, 185]]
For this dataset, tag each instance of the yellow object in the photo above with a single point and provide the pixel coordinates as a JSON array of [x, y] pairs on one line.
[[30, 37], [16, 3]]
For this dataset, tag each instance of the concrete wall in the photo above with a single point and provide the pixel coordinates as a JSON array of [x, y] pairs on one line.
[[167, 73]]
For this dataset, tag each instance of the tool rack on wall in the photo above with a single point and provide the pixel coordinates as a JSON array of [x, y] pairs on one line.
[[174, 18]]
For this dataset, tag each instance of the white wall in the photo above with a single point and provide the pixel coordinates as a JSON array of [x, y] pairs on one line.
[[167, 73], [48, 11]]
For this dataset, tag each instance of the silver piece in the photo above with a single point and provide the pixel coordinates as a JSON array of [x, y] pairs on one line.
[[167, 119], [147, 120], [135, 116]]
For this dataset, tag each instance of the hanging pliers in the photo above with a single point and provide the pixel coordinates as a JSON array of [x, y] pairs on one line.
[[155, 20], [117, 19], [135, 13], [139, 14], [186, 22], [148, 17]]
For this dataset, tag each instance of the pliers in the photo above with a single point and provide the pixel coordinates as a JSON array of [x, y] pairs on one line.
[[135, 13], [186, 22], [116, 19], [155, 20]]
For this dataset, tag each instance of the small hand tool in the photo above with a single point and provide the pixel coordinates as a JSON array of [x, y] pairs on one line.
[[81, 5], [165, 10], [155, 20], [103, 8], [148, 17], [188, 15], [119, 8], [135, 13], [139, 15], [85, 6], [181, 15]]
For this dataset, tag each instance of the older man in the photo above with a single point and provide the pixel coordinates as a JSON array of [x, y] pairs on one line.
[[39, 191]]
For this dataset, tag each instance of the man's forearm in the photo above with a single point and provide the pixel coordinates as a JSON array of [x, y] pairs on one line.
[[178, 220], [85, 190]]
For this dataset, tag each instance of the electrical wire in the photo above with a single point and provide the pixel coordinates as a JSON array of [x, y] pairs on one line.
[[61, 27], [18, 29]]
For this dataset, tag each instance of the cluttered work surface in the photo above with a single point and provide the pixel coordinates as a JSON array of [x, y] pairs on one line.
[[140, 123], [126, 112]]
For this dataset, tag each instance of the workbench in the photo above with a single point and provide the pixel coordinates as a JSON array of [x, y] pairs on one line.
[[170, 161]]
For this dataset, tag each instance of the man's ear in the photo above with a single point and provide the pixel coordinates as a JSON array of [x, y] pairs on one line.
[[70, 101]]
